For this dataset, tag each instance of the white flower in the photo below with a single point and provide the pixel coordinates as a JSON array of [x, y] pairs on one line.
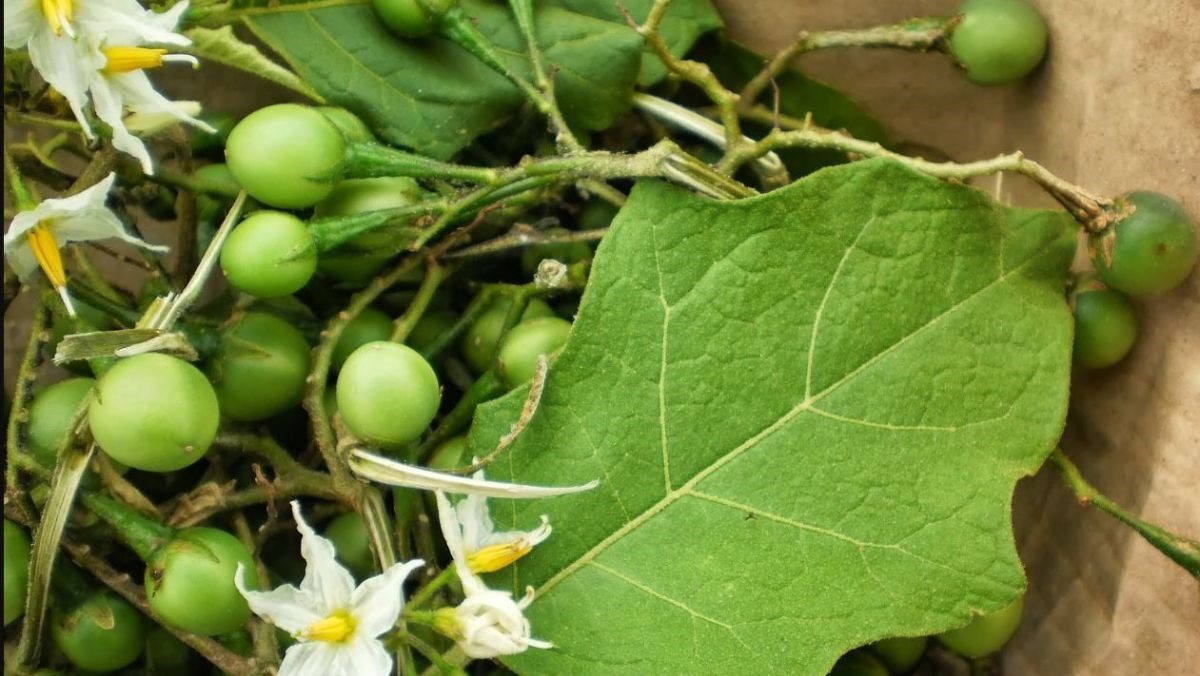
[[486, 550], [373, 467], [34, 236], [57, 34], [488, 623], [336, 624], [147, 121]]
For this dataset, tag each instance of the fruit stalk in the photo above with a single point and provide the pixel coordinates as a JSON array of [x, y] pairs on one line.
[[143, 535], [1181, 550], [920, 35]]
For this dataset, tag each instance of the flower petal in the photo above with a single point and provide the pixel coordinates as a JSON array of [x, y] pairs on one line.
[[286, 607], [324, 577], [452, 534], [377, 602], [108, 104], [476, 522], [127, 22], [22, 18], [387, 471], [310, 658], [64, 66], [363, 656]]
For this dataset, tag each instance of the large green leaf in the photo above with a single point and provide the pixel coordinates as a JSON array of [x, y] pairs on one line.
[[807, 410], [684, 23], [431, 95]]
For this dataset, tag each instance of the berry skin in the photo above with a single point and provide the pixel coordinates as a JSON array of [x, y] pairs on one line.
[[154, 412], [1105, 328], [102, 634], [357, 261], [270, 254], [387, 394], [900, 654], [479, 341], [411, 18], [997, 42], [985, 634], [16, 570], [369, 326], [527, 341], [1148, 252], [189, 581], [286, 155], [262, 367], [50, 416]]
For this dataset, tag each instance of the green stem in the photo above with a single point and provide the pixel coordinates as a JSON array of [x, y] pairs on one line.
[[373, 160], [426, 593], [919, 35], [435, 274], [483, 390], [1092, 211], [331, 232], [144, 536], [460, 28], [22, 198], [475, 308], [1181, 550], [523, 11], [192, 184]]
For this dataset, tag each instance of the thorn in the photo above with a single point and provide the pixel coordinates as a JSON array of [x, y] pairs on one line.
[[66, 299]]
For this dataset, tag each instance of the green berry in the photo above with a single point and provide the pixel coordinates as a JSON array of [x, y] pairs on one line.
[[387, 394], [1105, 328], [450, 454], [353, 129], [16, 570], [411, 18], [270, 254], [369, 326], [479, 341], [348, 533], [262, 367], [102, 634], [998, 41], [901, 654], [525, 343], [357, 261], [154, 412], [190, 581], [858, 663], [430, 327], [287, 155], [1150, 251], [985, 634], [51, 415]]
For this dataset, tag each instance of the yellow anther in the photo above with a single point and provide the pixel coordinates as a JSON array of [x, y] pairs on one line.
[[126, 59], [59, 14], [45, 250], [333, 629], [494, 557]]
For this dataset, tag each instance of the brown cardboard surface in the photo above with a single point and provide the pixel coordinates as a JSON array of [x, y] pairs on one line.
[[1116, 107]]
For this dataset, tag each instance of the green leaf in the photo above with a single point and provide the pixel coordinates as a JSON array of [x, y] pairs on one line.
[[799, 95], [807, 410], [431, 95], [220, 45], [683, 24]]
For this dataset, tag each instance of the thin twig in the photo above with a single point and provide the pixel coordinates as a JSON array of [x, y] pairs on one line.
[[532, 400]]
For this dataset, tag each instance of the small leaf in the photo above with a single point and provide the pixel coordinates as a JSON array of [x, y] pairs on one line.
[[220, 45], [807, 411]]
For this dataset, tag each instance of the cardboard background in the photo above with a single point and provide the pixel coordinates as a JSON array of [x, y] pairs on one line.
[[1115, 108]]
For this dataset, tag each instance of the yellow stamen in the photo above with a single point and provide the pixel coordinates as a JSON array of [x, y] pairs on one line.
[[334, 629], [45, 251], [59, 14], [494, 557], [126, 59]]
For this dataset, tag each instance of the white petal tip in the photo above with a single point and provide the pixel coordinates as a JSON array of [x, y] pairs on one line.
[[66, 299]]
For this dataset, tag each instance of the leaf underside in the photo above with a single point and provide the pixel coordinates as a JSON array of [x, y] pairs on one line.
[[807, 410]]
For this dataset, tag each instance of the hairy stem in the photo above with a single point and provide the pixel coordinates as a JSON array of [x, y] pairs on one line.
[[1181, 550], [915, 34]]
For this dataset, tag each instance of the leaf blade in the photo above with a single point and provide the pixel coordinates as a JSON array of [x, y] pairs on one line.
[[703, 524]]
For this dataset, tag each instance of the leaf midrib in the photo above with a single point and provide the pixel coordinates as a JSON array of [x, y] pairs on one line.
[[806, 405]]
